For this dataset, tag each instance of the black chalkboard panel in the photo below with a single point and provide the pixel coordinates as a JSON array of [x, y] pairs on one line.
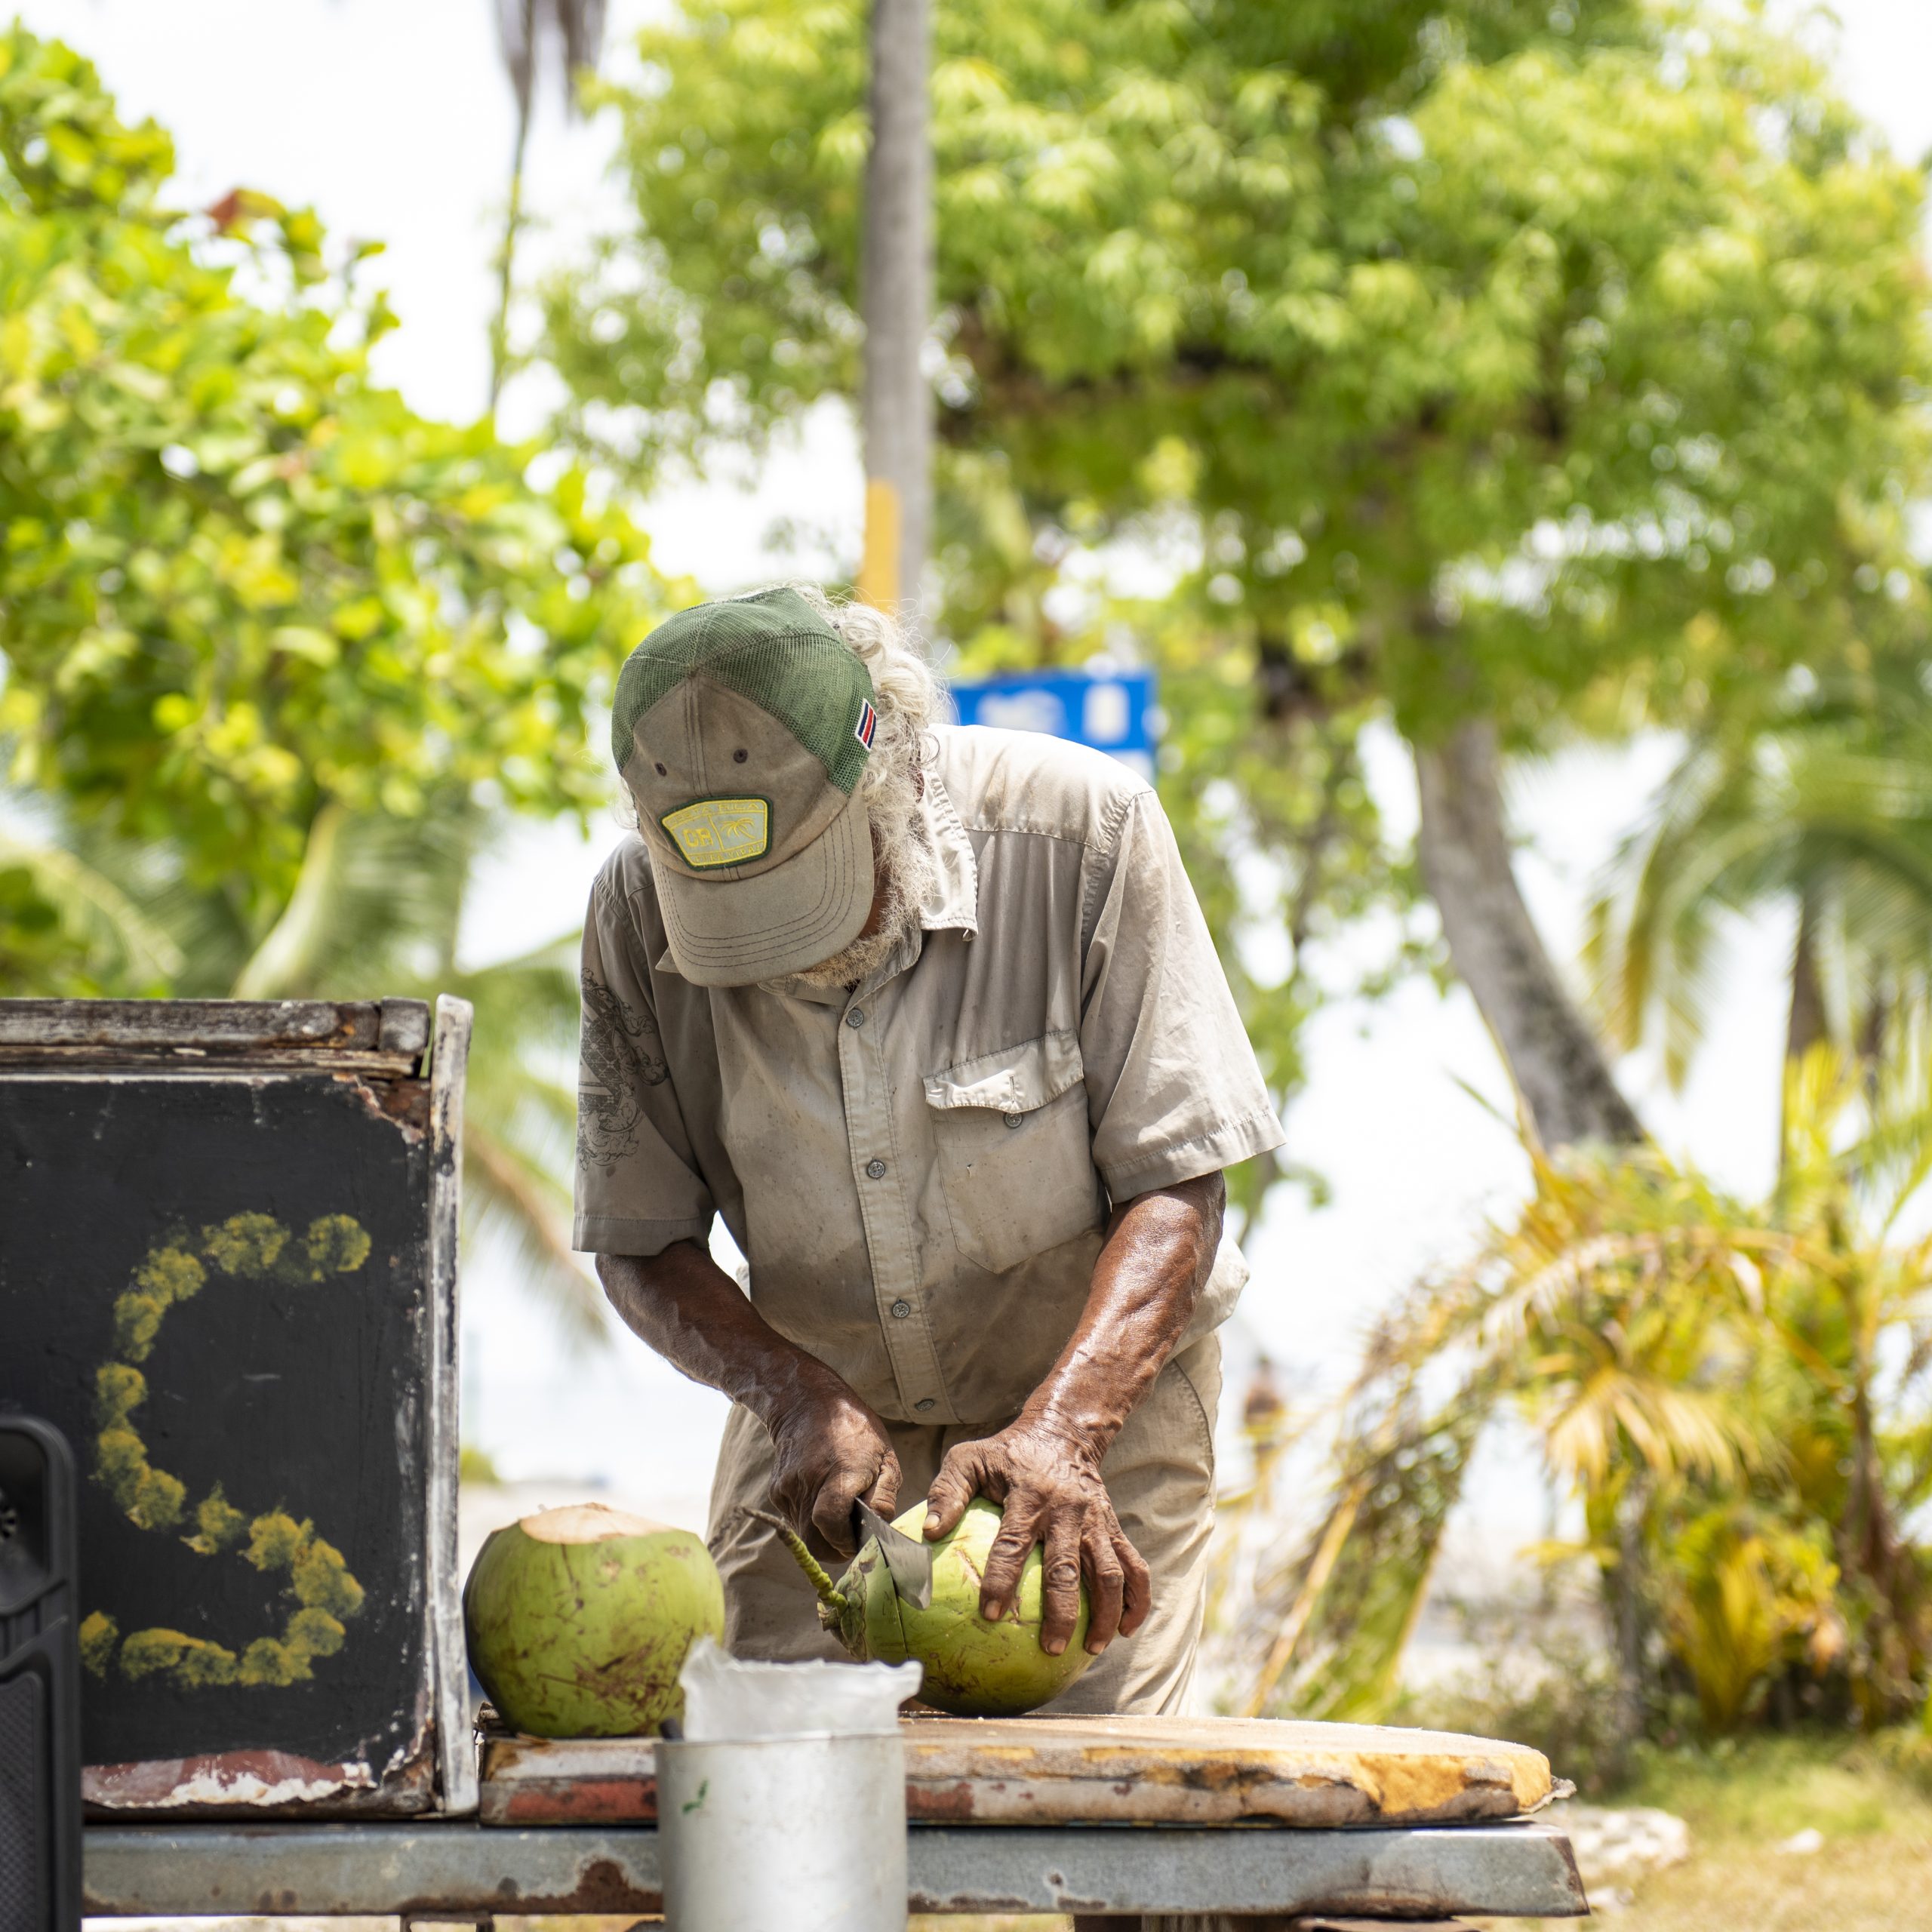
[[220, 1280]]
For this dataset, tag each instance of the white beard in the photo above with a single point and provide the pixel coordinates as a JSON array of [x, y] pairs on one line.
[[910, 872]]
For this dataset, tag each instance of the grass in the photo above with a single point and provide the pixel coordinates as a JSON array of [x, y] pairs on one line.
[[1772, 1787], [1742, 1801]]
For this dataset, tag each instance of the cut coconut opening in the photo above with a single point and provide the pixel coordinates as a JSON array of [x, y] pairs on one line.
[[586, 1522]]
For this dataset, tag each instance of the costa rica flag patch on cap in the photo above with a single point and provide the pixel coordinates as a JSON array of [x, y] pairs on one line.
[[867, 724]]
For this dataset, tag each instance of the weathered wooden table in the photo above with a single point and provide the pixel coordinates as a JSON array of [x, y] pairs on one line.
[[1210, 1820]]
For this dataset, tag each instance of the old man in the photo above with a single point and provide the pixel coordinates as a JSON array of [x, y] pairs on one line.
[[930, 1017]]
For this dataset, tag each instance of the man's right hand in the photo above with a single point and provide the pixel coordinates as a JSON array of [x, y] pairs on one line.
[[832, 1449], [832, 1452]]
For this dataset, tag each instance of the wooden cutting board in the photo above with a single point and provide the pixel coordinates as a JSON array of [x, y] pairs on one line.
[[1087, 1770]]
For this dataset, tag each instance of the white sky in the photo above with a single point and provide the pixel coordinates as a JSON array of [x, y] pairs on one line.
[[392, 117]]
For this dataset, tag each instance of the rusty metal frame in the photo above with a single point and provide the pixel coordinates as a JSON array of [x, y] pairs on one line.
[[384, 1037], [423, 1869], [456, 1750]]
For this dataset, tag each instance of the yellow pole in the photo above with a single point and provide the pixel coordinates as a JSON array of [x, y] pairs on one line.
[[878, 568]]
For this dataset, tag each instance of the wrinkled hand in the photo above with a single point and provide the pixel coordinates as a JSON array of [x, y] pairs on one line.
[[832, 1449], [1050, 1488]]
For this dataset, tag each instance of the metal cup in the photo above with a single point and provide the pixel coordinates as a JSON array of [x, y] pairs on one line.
[[783, 1834]]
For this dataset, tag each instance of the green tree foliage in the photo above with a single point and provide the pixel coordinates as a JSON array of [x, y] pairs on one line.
[[280, 655], [241, 581], [1557, 366]]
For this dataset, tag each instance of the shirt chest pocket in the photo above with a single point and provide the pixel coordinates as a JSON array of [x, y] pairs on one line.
[[1015, 1153]]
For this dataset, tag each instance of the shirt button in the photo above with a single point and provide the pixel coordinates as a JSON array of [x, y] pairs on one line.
[[856, 1017], [1012, 1120], [902, 1309], [876, 1169], [925, 1404]]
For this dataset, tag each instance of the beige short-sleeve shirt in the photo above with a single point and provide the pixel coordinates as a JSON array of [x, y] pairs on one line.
[[918, 1171]]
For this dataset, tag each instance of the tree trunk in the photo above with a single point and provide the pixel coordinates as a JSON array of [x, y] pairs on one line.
[[1562, 1080], [500, 324], [1806, 1025], [1631, 1618], [896, 291]]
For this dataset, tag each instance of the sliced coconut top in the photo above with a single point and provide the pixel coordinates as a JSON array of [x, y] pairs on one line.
[[586, 1522]]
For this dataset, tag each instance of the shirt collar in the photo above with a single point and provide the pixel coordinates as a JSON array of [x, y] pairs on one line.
[[953, 903]]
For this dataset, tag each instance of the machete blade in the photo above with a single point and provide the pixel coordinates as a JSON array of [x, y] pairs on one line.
[[908, 1558]]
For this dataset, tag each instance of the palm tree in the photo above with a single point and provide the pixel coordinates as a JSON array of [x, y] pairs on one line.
[[522, 25], [1737, 1395], [1826, 808]]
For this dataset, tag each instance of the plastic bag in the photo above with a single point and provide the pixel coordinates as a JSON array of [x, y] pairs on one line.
[[728, 1699]]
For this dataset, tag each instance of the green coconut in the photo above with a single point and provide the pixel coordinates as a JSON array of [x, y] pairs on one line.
[[973, 1668], [578, 1620]]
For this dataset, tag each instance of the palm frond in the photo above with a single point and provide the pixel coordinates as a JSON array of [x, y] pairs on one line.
[[1338, 1614], [521, 26], [284, 964], [518, 1202], [1829, 802], [378, 903], [122, 943]]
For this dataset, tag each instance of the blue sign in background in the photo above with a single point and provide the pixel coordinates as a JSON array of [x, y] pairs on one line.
[[1112, 711]]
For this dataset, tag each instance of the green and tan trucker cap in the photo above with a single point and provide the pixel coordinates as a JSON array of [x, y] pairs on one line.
[[741, 728]]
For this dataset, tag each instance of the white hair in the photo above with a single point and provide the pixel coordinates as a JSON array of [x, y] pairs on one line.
[[906, 696]]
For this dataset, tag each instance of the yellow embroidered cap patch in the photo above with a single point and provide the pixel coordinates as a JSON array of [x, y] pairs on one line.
[[721, 832]]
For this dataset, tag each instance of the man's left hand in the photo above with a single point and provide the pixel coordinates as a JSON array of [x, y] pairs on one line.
[[1049, 1486]]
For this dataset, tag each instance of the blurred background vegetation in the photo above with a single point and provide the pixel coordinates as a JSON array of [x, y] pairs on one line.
[[1509, 376]]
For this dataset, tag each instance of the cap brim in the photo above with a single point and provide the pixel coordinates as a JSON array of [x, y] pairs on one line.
[[733, 932]]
